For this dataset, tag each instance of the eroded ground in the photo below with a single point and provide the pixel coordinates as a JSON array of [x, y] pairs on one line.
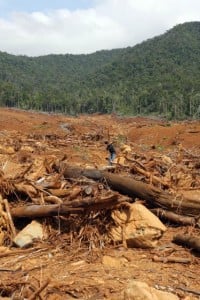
[[76, 270]]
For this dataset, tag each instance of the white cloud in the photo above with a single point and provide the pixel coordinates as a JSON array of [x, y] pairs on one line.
[[109, 24]]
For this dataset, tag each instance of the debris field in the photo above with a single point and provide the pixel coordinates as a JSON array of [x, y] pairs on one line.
[[74, 226]]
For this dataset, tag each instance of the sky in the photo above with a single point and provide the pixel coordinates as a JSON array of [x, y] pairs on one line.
[[42, 27]]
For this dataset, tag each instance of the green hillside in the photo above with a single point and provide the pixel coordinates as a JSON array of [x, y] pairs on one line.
[[160, 76]]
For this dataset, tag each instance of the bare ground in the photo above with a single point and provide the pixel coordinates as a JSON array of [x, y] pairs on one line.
[[76, 271]]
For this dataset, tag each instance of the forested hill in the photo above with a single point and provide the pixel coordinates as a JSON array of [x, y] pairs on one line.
[[159, 76]]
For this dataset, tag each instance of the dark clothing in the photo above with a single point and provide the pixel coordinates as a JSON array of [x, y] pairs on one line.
[[111, 149]]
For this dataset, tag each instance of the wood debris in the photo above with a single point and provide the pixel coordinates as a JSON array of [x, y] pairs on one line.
[[74, 201]]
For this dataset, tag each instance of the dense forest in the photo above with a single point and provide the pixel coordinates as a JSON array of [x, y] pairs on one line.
[[160, 76]]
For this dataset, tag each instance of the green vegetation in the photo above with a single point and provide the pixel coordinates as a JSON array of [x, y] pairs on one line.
[[160, 76]]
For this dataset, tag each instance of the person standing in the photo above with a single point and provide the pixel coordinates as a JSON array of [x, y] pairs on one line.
[[112, 152]]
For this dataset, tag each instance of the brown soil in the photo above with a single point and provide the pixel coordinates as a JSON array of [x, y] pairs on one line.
[[77, 272]]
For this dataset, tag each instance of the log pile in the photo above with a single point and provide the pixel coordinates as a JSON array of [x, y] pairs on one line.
[[38, 186]]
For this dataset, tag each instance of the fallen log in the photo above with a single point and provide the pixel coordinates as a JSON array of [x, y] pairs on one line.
[[185, 289], [75, 206], [187, 240], [172, 259], [175, 218], [128, 186], [37, 211]]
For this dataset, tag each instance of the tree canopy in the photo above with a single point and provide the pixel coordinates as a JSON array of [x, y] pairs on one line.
[[159, 76]]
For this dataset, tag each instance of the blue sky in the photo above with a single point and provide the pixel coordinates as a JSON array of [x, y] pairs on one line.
[[44, 27], [8, 6]]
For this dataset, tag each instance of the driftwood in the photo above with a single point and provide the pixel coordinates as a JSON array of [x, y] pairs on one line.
[[133, 188], [187, 240]]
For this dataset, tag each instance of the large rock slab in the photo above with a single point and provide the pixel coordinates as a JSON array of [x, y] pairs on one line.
[[137, 225]]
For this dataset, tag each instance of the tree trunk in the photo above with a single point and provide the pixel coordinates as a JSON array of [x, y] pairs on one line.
[[75, 206], [187, 240], [37, 211], [175, 218], [133, 188]]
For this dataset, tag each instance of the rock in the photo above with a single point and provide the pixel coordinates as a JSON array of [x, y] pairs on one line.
[[110, 262], [137, 290], [31, 232], [137, 225]]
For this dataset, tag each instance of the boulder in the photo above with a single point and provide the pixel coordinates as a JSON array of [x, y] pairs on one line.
[[137, 226]]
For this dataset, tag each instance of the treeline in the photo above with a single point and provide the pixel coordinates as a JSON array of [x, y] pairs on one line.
[[160, 76]]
